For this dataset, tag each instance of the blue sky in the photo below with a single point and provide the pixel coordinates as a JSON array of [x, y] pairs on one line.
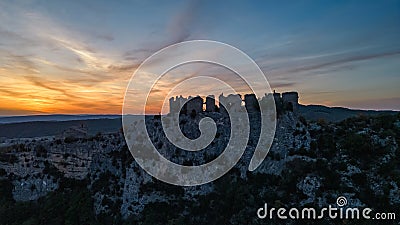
[[77, 56]]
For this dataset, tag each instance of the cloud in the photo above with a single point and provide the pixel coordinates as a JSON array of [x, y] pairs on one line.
[[10, 38], [18, 112], [122, 68], [44, 83], [181, 26], [10, 92], [59, 96], [282, 85], [17, 62], [57, 39], [105, 37], [294, 70], [344, 60], [89, 68], [85, 54]]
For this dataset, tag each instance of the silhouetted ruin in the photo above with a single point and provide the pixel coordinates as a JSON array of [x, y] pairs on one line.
[[234, 102]]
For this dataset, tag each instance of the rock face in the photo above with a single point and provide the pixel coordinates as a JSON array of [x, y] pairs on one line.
[[32, 188], [36, 166], [301, 157]]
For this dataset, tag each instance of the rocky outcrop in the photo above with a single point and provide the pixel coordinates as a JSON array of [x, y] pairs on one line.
[[301, 158]]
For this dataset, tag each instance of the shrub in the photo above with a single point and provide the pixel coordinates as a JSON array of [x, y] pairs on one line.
[[41, 151]]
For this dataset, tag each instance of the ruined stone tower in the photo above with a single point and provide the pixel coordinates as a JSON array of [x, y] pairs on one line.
[[210, 103], [291, 98]]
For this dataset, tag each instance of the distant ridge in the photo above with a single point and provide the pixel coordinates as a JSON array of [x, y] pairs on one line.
[[49, 125], [51, 128], [55, 117], [336, 114]]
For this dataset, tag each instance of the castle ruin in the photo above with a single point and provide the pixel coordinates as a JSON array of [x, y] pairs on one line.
[[232, 102], [210, 104]]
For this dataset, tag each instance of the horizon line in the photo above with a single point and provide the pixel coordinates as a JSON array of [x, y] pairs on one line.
[[95, 114]]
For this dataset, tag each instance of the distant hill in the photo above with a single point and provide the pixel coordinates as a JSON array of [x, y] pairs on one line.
[[56, 117], [50, 128], [49, 125], [335, 114]]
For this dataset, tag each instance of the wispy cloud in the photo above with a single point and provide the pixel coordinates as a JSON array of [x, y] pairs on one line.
[[343, 60], [182, 24], [44, 83], [178, 29]]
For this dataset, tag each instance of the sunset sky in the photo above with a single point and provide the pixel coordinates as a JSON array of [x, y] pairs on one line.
[[76, 57]]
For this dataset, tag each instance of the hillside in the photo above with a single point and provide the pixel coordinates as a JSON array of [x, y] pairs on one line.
[[336, 114], [310, 164], [51, 125]]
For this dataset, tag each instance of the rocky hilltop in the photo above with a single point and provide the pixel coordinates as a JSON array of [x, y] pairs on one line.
[[309, 164]]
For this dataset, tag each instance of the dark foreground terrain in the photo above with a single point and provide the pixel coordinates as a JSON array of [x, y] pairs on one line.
[[95, 180]]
